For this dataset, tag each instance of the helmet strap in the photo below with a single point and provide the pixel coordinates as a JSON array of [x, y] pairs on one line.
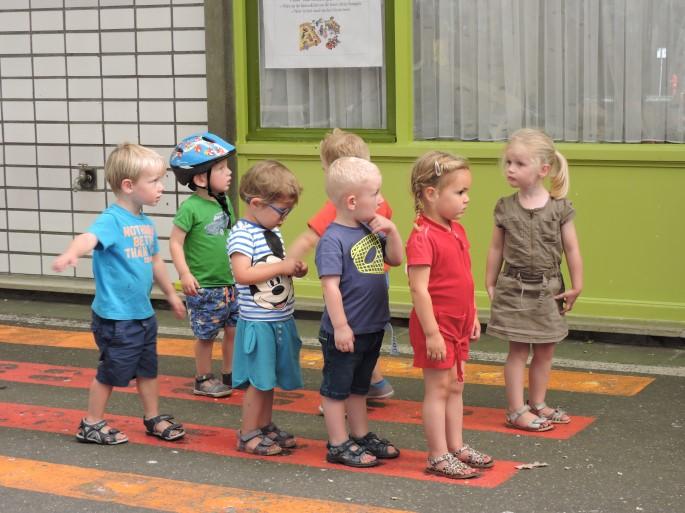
[[220, 198]]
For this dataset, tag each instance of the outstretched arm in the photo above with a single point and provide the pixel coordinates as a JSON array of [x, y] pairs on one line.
[[304, 243], [81, 245]]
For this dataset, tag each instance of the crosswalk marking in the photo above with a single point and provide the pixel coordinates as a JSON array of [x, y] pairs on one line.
[[481, 374], [140, 491], [299, 401], [222, 441]]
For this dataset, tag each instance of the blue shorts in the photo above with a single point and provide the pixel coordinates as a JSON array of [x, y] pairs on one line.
[[267, 355], [349, 373], [128, 349], [211, 310]]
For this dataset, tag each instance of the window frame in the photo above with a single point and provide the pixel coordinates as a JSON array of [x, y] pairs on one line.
[[255, 132]]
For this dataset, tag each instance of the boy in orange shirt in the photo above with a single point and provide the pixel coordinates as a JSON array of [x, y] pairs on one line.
[[336, 144]]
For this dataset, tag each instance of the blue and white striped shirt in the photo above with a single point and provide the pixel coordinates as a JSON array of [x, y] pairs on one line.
[[272, 300]]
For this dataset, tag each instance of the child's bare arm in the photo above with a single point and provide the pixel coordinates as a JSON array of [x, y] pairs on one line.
[[162, 279], [393, 241], [246, 273], [423, 306], [304, 243], [569, 239], [81, 245], [494, 261], [344, 337], [178, 257]]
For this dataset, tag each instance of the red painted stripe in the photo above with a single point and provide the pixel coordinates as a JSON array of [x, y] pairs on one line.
[[298, 401], [222, 441]]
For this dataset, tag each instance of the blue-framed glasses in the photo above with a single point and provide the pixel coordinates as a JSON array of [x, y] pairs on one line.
[[282, 212]]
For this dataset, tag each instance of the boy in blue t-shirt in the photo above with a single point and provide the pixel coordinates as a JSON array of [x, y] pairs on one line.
[[349, 259], [125, 261]]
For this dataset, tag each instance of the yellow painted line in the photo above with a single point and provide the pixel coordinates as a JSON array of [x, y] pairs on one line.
[[479, 374], [156, 493]]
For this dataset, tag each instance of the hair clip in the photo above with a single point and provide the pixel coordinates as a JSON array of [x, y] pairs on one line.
[[438, 168]]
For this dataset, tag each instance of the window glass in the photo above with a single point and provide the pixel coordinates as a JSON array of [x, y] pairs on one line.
[[582, 70], [323, 97]]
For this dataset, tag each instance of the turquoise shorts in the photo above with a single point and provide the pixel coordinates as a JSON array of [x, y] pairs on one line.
[[266, 355]]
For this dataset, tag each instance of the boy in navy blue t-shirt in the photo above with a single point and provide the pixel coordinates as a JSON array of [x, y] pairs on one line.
[[126, 259], [349, 259]]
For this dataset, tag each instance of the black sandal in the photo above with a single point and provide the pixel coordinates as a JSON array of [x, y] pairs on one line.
[[167, 434], [349, 453], [94, 434], [379, 447], [284, 439]]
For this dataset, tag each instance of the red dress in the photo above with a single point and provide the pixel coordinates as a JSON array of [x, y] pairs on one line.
[[451, 289]]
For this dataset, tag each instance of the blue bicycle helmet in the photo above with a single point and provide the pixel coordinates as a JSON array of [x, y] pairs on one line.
[[196, 154]]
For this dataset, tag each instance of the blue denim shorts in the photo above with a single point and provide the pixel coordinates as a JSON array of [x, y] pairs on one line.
[[349, 373], [267, 355], [128, 349], [211, 310]]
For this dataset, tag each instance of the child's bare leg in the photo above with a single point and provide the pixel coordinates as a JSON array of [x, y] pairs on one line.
[[436, 390], [376, 375], [203, 357], [148, 391], [98, 397], [357, 416], [227, 350], [454, 412], [514, 377], [538, 375], [334, 417], [266, 413], [255, 401]]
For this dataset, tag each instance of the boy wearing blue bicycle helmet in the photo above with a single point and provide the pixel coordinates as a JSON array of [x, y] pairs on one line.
[[198, 250]]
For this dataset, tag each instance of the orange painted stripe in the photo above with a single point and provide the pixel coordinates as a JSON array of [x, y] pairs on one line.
[[479, 374], [299, 401], [155, 493], [222, 441]]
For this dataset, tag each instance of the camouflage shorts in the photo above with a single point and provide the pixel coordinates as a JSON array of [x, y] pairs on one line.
[[211, 310]]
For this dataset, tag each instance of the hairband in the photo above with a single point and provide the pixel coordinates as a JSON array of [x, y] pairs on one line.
[[438, 168]]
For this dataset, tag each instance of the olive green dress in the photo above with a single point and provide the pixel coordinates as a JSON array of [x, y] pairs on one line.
[[523, 307]]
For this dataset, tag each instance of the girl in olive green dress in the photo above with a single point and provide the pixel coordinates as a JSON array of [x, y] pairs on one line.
[[533, 229]]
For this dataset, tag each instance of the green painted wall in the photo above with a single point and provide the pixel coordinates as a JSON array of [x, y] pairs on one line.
[[629, 200]]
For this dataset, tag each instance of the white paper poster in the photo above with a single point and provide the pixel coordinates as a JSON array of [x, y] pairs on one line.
[[322, 33]]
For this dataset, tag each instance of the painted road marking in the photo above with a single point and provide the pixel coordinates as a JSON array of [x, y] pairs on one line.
[[479, 374], [222, 441], [299, 401], [156, 493], [173, 331]]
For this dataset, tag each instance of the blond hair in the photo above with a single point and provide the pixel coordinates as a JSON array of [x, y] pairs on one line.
[[431, 170], [346, 174], [127, 161], [542, 151], [271, 181], [339, 143]]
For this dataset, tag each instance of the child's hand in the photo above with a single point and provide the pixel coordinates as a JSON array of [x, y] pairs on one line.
[[435, 347], [301, 269], [289, 266], [63, 261], [475, 332], [189, 284], [381, 224], [344, 339], [177, 306], [567, 299]]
